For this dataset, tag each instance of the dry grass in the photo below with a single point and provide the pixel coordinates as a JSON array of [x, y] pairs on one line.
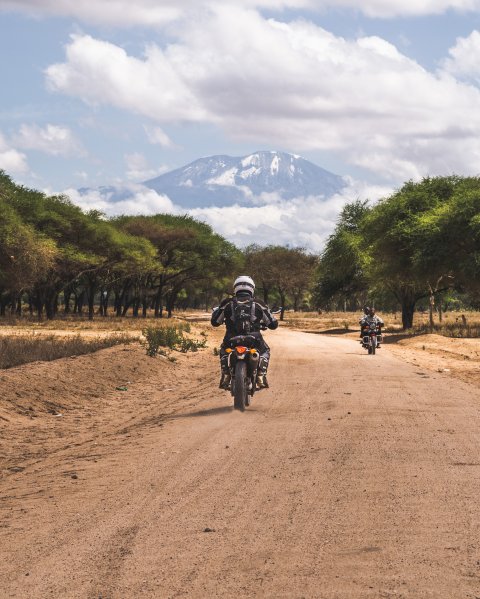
[[24, 348], [452, 323], [81, 323]]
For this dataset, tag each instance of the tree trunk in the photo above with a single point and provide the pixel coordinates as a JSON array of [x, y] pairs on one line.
[[91, 303], [50, 308], [66, 301], [159, 302], [170, 305], [282, 310], [266, 294], [430, 310], [126, 306], [136, 306], [408, 309]]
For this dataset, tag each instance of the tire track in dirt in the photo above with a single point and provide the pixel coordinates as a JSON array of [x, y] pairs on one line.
[[353, 476]]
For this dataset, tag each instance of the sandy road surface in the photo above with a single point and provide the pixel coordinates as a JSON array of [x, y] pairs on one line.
[[353, 476]]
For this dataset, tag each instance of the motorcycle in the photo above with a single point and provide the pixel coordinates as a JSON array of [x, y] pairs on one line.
[[372, 336], [243, 359]]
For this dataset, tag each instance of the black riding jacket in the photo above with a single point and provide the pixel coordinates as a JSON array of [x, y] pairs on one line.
[[262, 316]]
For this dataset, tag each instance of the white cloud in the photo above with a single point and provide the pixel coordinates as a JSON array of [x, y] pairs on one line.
[[156, 135], [464, 58], [138, 168], [51, 139], [127, 199], [11, 160], [101, 73], [151, 13], [290, 85], [300, 222], [396, 8], [304, 221]]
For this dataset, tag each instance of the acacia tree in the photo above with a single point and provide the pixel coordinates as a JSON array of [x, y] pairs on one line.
[[258, 263], [288, 271], [187, 252], [450, 237], [394, 243], [340, 273], [24, 257]]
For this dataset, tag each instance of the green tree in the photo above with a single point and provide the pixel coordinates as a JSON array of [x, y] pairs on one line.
[[394, 242], [340, 274]]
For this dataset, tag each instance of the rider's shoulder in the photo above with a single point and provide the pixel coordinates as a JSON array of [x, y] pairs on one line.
[[260, 303], [226, 301]]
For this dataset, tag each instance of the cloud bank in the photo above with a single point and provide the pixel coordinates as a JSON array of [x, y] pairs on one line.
[[130, 198], [151, 13], [304, 221], [292, 85]]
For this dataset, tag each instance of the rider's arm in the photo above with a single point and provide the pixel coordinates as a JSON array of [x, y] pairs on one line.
[[218, 314], [269, 319]]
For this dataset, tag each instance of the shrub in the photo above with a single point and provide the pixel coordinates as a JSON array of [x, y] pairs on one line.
[[171, 337]]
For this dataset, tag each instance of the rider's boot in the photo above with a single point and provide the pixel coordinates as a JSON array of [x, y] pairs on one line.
[[261, 381], [225, 380], [225, 373]]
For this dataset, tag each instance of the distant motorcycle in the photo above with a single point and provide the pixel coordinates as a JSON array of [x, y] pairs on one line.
[[372, 336], [243, 358]]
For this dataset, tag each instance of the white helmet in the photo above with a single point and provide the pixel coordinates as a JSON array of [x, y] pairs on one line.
[[244, 283]]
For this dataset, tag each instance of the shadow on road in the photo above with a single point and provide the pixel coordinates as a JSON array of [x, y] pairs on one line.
[[388, 339], [331, 332], [209, 412]]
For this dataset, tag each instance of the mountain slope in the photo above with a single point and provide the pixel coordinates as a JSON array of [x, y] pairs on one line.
[[225, 180]]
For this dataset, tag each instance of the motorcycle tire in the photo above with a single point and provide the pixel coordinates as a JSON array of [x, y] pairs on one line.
[[374, 347], [369, 349], [240, 390]]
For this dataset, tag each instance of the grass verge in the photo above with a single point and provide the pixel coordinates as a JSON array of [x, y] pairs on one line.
[[22, 349], [457, 331]]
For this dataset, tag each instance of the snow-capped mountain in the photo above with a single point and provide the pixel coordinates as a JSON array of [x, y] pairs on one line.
[[226, 180]]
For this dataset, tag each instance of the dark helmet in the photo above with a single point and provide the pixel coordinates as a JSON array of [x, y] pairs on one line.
[[366, 310]]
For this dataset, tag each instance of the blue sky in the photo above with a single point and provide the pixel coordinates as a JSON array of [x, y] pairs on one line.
[[101, 93]]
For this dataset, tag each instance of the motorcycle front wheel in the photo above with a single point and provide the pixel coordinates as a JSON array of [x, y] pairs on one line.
[[240, 386]]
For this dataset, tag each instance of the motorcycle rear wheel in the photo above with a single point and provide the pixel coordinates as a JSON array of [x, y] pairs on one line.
[[240, 386]]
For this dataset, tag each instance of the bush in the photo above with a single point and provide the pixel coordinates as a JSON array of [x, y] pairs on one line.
[[171, 337], [22, 349]]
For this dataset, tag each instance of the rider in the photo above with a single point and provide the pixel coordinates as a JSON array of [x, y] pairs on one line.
[[366, 310], [369, 318], [259, 317]]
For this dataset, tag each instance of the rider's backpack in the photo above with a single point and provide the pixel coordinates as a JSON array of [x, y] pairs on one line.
[[243, 316]]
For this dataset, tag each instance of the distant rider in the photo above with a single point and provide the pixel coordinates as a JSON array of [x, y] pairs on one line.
[[369, 318], [366, 310], [244, 314]]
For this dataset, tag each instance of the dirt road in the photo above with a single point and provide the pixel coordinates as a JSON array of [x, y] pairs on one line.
[[353, 476]]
